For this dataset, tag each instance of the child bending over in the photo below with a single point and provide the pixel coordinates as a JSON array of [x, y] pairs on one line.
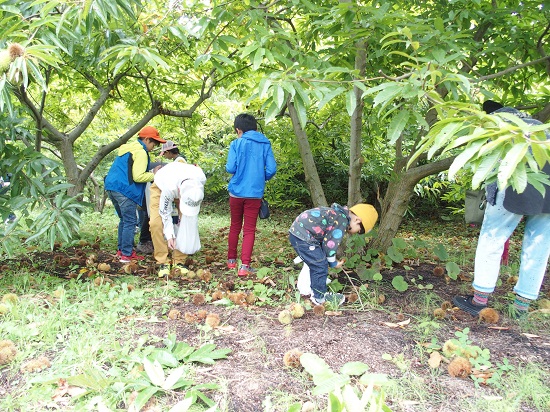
[[316, 234]]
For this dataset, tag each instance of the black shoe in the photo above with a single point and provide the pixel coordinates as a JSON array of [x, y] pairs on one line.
[[465, 303]]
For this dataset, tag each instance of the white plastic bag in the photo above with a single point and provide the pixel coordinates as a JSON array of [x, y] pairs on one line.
[[304, 279], [187, 237]]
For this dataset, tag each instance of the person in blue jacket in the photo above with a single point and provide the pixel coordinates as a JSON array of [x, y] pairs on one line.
[[251, 162], [125, 185]]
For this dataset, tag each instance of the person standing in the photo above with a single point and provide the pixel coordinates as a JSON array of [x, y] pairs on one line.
[[251, 162], [125, 185], [182, 184], [505, 209]]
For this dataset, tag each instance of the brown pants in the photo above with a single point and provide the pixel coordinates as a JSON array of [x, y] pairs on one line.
[[157, 235]]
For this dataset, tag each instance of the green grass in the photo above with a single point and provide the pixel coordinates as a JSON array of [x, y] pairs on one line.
[[79, 327]]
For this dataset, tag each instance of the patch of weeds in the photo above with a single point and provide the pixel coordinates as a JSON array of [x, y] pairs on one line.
[[370, 297], [398, 360], [425, 301], [424, 329], [352, 389], [525, 388]]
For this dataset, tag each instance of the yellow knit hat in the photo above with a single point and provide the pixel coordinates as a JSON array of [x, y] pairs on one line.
[[367, 213]]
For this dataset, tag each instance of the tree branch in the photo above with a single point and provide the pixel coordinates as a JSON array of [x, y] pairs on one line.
[[511, 69]]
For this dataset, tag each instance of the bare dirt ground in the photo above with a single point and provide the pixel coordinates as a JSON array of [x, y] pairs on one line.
[[258, 341]]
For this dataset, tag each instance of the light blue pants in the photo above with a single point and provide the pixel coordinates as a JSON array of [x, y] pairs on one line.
[[498, 225]]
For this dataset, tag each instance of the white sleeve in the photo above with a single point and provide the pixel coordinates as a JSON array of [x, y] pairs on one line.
[[165, 212]]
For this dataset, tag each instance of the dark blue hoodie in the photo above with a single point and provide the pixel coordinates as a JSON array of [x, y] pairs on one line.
[[251, 162]]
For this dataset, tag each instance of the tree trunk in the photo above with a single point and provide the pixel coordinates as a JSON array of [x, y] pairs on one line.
[[310, 170], [396, 200], [355, 159]]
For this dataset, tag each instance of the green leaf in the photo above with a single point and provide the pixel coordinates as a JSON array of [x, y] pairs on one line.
[[351, 102], [541, 153], [258, 58], [395, 255], [182, 350], [334, 404], [397, 126], [354, 368], [164, 357], [301, 110], [510, 162], [207, 354], [279, 97], [154, 371], [375, 378], [453, 270], [519, 178], [182, 406], [387, 94], [327, 97], [399, 284], [143, 397], [487, 166], [265, 84], [171, 379], [441, 252]]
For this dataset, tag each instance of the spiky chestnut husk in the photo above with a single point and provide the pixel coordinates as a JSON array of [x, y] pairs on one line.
[[439, 313], [104, 267], [201, 314], [36, 365], [285, 317], [212, 320], [291, 359], [251, 298], [238, 298], [5, 61], [4, 309], [15, 50], [381, 299], [205, 276], [10, 298], [352, 297], [460, 367], [199, 299], [439, 271], [449, 348], [446, 305], [488, 315], [58, 293], [174, 314], [319, 310], [190, 317], [296, 310], [7, 351], [217, 295]]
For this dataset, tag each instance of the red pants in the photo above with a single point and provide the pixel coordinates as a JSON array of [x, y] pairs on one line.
[[247, 210]]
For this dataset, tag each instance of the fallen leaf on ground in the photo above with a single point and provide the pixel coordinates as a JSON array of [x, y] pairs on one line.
[[498, 327], [528, 335], [333, 313], [435, 360], [399, 324]]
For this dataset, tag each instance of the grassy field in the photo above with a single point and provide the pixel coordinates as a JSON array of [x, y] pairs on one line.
[[74, 338]]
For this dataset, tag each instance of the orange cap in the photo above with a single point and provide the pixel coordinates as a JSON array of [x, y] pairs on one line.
[[151, 132]]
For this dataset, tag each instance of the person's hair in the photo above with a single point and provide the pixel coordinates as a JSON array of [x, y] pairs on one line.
[[175, 150], [489, 106], [245, 122]]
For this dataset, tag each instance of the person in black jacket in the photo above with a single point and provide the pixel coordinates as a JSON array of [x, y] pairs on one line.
[[505, 209]]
